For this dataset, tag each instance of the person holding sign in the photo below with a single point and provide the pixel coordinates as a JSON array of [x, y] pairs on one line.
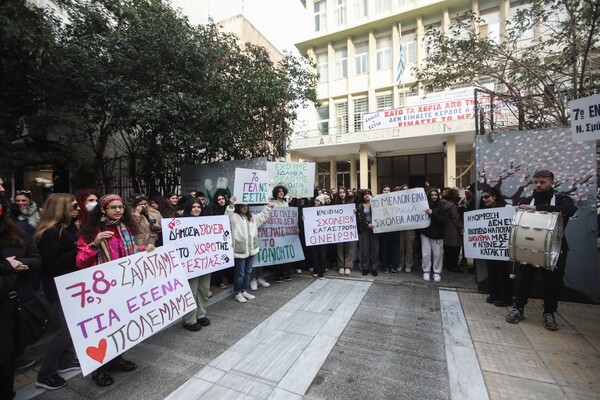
[[498, 270], [108, 234], [432, 237], [244, 231], [368, 240], [344, 249], [544, 199]]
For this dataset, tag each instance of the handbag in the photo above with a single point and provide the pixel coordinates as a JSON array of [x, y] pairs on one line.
[[31, 320]]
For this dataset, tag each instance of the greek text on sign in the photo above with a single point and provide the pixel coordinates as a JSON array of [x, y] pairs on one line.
[[400, 211], [486, 233], [585, 118], [204, 244], [113, 306], [330, 224], [251, 186], [278, 238], [297, 177]]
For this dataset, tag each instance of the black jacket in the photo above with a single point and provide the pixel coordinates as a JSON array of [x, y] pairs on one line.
[[29, 255], [438, 223]]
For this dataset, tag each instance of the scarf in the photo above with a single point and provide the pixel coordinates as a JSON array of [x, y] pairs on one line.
[[125, 238]]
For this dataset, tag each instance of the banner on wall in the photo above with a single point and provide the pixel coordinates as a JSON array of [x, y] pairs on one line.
[[486, 233], [330, 224], [110, 308], [400, 211], [278, 238], [251, 186], [203, 244], [297, 177]]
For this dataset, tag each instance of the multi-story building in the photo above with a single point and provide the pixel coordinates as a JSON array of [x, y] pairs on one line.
[[373, 125]]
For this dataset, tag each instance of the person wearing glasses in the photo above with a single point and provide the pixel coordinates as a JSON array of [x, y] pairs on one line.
[[544, 198], [56, 238], [498, 270], [147, 219], [29, 210], [106, 235]]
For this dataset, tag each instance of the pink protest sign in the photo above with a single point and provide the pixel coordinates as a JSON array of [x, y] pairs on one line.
[[113, 306]]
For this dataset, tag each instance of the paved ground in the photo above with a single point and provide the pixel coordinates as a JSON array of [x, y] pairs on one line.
[[401, 341]]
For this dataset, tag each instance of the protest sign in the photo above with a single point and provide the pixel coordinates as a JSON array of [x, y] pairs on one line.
[[278, 238], [585, 118], [400, 211], [251, 186], [330, 224], [486, 233], [297, 177], [204, 244], [111, 307]]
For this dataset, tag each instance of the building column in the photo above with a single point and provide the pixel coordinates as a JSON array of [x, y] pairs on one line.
[[353, 172], [292, 156], [450, 167], [373, 186], [364, 167], [332, 173]]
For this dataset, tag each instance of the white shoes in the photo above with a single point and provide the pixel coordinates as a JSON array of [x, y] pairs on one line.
[[298, 271], [426, 277], [341, 271], [248, 295], [408, 269], [240, 297], [253, 284], [347, 271], [310, 269], [263, 283], [437, 278]]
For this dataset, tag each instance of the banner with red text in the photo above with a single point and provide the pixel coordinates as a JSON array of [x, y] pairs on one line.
[[330, 224], [278, 238], [113, 306], [486, 233], [204, 244]]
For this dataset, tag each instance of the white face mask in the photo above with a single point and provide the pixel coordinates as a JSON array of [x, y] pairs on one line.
[[90, 206]]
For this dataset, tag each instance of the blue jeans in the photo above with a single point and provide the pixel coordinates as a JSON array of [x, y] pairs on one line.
[[243, 269]]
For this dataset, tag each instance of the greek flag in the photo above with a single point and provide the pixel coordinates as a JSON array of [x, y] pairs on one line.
[[401, 65]]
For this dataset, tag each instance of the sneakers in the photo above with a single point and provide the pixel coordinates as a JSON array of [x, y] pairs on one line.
[[426, 276], [341, 271], [24, 364], [437, 278], [347, 271], [384, 270], [310, 269], [321, 276], [550, 321], [240, 297], [365, 272], [248, 295], [516, 314], [254, 284], [286, 277], [298, 271], [408, 270], [278, 278], [74, 366], [490, 299], [51, 382], [262, 282], [209, 294], [374, 272], [195, 327], [222, 286], [315, 275], [394, 270], [204, 321]]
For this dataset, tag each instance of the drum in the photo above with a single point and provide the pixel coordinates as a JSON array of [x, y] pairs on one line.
[[535, 238]]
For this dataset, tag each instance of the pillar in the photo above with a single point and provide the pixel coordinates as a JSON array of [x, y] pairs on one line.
[[450, 167], [364, 167]]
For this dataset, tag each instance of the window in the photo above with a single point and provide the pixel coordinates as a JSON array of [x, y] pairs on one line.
[[340, 12], [384, 52], [341, 62], [403, 3], [341, 117], [320, 8], [384, 102], [322, 67], [429, 42], [361, 9], [361, 106], [491, 27], [323, 119], [409, 45], [382, 5], [361, 58]]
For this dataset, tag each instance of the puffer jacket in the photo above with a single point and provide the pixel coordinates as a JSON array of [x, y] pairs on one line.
[[245, 232]]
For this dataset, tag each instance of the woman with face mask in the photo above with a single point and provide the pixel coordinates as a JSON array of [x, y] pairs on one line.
[[87, 200], [56, 237]]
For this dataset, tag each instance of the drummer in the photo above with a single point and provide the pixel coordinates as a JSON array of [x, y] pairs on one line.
[[544, 199]]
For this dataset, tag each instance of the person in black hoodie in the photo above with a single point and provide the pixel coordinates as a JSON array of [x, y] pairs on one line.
[[544, 199], [432, 237], [56, 238]]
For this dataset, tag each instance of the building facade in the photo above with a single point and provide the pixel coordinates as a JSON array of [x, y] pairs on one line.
[[373, 125]]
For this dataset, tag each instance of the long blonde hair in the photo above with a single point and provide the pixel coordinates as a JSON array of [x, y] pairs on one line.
[[56, 212]]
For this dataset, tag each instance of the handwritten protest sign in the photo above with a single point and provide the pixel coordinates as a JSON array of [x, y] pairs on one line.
[[330, 224], [400, 211], [297, 177], [204, 244], [486, 233], [278, 238], [113, 306], [251, 186]]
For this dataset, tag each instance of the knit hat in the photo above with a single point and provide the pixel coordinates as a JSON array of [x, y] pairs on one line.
[[322, 198], [107, 198]]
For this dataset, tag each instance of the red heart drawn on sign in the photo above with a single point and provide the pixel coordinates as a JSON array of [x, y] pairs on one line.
[[97, 353]]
